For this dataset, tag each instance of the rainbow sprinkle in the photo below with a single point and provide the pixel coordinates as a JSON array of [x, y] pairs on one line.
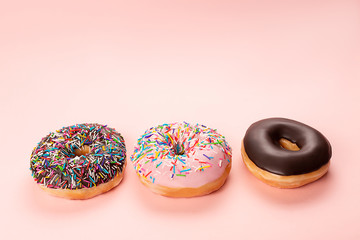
[[54, 164], [170, 149]]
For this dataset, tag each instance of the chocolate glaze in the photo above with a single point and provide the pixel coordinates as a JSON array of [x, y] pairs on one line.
[[261, 143]]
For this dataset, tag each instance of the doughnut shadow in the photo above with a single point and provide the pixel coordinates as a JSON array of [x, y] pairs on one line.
[[305, 194], [157, 203], [42, 203]]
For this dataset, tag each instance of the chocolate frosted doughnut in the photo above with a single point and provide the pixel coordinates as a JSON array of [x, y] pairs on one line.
[[285, 147]]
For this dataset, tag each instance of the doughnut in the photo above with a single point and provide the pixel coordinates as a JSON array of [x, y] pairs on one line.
[[79, 161], [285, 153], [182, 160]]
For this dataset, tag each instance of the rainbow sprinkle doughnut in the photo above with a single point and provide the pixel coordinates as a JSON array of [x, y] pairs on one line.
[[182, 160], [79, 161]]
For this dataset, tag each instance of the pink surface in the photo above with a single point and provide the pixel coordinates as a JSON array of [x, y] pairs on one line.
[[224, 64]]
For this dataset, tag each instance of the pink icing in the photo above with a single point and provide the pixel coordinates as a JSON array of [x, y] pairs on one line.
[[201, 156]]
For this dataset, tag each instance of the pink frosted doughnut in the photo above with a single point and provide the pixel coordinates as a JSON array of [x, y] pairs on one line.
[[182, 160]]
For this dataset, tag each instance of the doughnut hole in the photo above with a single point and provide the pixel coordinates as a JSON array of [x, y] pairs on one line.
[[82, 151], [288, 145], [178, 149]]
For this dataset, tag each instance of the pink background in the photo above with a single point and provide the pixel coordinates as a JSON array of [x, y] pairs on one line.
[[225, 64]]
